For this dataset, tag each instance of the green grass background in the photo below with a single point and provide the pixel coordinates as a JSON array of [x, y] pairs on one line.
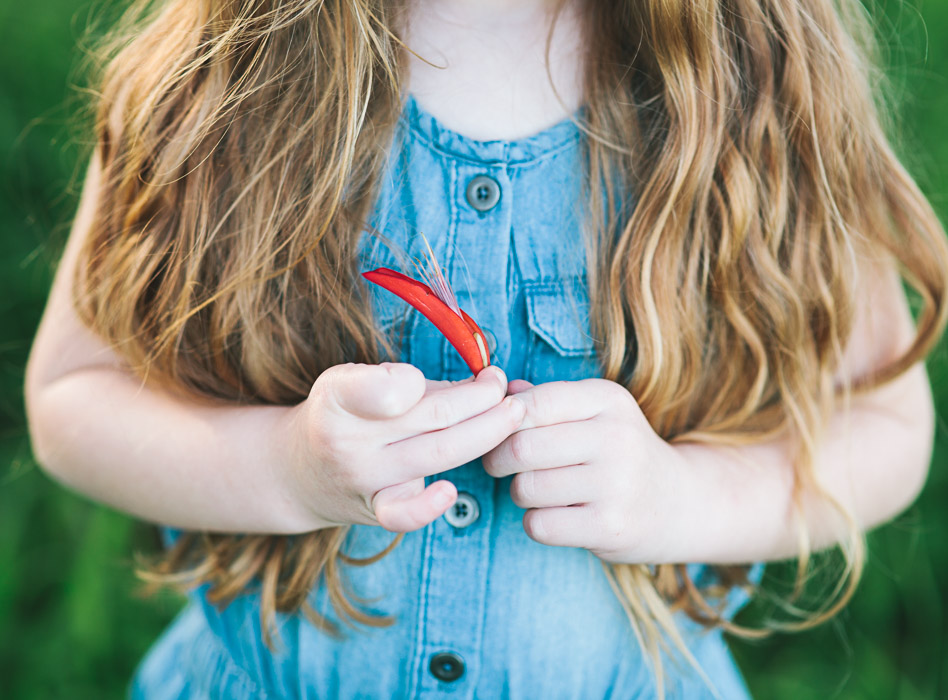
[[71, 623]]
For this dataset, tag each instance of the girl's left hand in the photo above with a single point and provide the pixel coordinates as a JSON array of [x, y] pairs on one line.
[[591, 472]]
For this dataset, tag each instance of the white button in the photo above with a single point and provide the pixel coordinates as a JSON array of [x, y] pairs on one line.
[[464, 511]]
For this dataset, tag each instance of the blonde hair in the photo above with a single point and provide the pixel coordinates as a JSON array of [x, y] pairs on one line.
[[738, 145]]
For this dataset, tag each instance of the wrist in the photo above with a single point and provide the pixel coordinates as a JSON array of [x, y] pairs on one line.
[[662, 509], [702, 506], [729, 505], [292, 469], [692, 511], [678, 503]]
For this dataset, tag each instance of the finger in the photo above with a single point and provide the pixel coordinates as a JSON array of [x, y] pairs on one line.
[[563, 486], [518, 385], [451, 405], [561, 402], [438, 451], [374, 391], [569, 526], [410, 506], [542, 448], [432, 385]]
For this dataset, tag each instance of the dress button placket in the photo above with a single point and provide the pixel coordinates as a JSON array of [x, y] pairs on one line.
[[454, 595], [457, 547], [480, 254]]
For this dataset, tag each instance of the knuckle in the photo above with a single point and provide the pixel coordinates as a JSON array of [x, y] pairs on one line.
[[444, 453], [529, 400], [536, 526], [442, 413], [491, 464], [521, 449], [523, 489], [335, 438], [609, 522], [342, 461], [325, 440], [515, 417], [337, 376], [335, 372], [333, 385], [616, 393]]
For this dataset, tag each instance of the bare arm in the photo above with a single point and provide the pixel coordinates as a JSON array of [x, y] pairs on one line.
[[873, 460], [356, 451], [98, 429]]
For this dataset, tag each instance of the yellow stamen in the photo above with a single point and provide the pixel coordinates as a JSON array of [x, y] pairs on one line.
[[483, 348]]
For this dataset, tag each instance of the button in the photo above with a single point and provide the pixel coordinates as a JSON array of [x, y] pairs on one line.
[[464, 511], [483, 193], [446, 666], [491, 341]]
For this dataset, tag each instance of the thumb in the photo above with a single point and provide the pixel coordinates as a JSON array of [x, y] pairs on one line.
[[375, 391]]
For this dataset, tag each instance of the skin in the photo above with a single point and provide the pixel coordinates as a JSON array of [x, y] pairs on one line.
[[480, 66], [357, 449]]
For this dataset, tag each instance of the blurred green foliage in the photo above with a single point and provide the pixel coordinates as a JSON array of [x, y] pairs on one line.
[[71, 622]]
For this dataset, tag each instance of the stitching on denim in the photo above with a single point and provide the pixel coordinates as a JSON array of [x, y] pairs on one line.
[[417, 670], [416, 132], [554, 288]]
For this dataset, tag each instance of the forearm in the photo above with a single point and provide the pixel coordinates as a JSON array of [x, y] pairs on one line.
[[97, 428], [163, 458], [738, 503]]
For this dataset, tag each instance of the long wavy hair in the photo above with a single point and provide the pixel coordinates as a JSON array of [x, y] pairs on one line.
[[740, 146]]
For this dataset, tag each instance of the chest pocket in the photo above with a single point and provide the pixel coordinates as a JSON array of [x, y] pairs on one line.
[[560, 346]]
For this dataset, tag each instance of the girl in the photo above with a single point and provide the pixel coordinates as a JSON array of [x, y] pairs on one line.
[[683, 227]]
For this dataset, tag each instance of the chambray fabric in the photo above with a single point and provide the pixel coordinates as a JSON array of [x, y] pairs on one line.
[[529, 621]]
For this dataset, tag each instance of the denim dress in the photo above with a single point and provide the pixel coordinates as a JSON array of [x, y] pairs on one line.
[[480, 609]]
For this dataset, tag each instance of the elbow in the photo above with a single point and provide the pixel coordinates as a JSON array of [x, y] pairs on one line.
[[59, 400], [69, 417], [918, 451], [47, 416], [910, 449], [43, 453], [40, 421], [56, 432]]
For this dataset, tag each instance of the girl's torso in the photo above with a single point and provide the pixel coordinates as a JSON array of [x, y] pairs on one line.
[[480, 610]]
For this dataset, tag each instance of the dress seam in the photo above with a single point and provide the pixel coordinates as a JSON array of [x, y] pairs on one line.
[[418, 134]]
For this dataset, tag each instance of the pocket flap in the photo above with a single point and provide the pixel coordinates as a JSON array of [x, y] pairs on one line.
[[558, 312]]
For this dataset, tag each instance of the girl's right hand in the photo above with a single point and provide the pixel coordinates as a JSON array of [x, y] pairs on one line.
[[368, 435]]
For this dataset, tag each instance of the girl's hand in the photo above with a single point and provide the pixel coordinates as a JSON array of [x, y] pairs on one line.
[[367, 436], [590, 470]]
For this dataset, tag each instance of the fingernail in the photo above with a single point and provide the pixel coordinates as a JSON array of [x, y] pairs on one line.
[[490, 371], [502, 378]]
